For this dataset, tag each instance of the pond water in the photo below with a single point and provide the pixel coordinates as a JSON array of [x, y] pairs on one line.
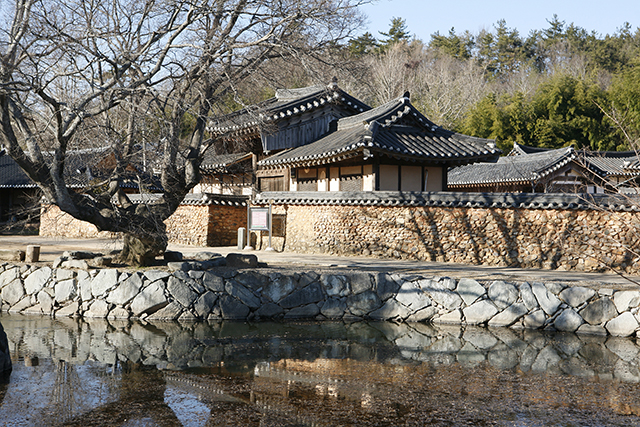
[[111, 373]]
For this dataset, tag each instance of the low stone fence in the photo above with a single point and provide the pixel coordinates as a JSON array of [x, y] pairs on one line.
[[272, 293], [551, 231], [201, 220]]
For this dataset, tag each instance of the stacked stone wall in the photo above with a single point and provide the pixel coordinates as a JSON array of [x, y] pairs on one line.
[[189, 225], [253, 294], [198, 225], [55, 223], [564, 239]]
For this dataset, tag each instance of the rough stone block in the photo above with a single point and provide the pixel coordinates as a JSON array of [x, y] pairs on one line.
[[502, 294], [624, 300], [335, 285], [279, 287], [181, 292], [509, 316], [70, 310], [104, 280], [149, 300], [9, 276], [454, 317], [206, 256], [126, 291], [13, 292], [247, 297], [534, 320], [170, 312], [36, 280], [599, 311], [479, 312], [423, 315], [411, 295], [242, 260], [78, 264], [391, 309], [98, 309], [269, 311], [71, 255], [204, 304], [308, 311], [231, 308], [310, 294], [568, 321], [213, 282], [363, 303], [623, 325], [333, 309], [547, 300], [470, 290], [65, 291], [575, 296], [154, 275], [439, 292]]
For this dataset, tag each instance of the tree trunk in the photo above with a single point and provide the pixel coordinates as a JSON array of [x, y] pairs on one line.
[[142, 250]]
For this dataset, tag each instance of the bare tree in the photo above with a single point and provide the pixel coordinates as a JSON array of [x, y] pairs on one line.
[[442, 87], [68, 69]]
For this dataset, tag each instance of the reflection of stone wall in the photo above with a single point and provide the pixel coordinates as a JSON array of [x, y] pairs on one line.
[[225, 293], [585, 240], [329, 353], [198, 225]]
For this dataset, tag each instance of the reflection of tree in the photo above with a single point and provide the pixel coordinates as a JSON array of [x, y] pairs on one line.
[[141, 397], [66, 391]]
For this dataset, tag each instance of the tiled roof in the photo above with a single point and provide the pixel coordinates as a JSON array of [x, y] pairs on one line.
[[614, 163], [194, 199], [395, 129], [220, 162], [512, 169], [80, 170], [604, 163], [286, 103], [453, 199], [11, 176]]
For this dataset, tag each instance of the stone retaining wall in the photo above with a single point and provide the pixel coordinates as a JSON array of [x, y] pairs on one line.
[[225, 293], [536, 235]]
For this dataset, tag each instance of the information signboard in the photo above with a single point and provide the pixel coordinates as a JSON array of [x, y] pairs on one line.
[[259, 219]]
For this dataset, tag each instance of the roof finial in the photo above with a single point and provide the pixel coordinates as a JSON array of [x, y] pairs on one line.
[[334, 83], [407, 95]]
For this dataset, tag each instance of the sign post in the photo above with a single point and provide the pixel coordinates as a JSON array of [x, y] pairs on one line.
[[258, 219], [270, 248]]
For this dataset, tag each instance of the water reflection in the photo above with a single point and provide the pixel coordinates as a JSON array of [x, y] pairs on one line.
[[98, 372]]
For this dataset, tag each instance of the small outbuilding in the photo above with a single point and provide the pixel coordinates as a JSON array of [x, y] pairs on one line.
[[541, 170]]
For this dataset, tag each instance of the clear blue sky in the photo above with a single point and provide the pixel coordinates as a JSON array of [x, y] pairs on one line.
[[425, 17]]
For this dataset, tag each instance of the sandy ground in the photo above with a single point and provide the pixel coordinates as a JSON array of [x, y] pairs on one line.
[[51, 248]]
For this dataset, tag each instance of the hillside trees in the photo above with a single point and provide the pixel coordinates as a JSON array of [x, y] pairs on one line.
[[69, 67], [558, 86]]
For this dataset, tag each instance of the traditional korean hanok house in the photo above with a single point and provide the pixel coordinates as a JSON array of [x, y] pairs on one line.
[[294, 117], [390, 148], [542, 170], [230, 174], [17, 191], [83, 168]]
